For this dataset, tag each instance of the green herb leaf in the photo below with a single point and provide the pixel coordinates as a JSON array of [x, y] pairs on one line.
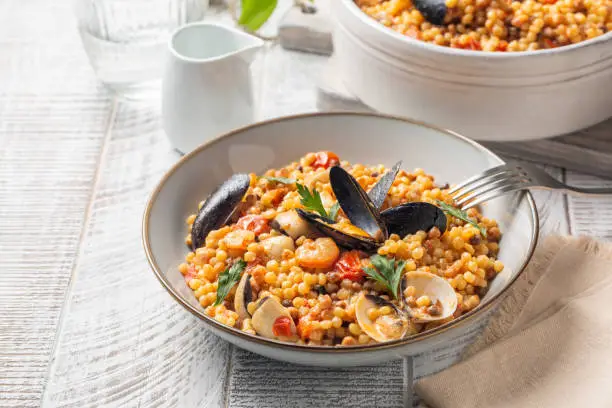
[[254, 13], [462, 215], [227, 279], [283, 180], [333, 211], [311, 200], [388, 272]]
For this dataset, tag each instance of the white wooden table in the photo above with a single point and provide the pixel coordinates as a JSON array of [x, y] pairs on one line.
[[83, 322]]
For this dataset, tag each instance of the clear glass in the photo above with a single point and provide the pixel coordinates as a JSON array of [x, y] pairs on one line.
[[126, 40]]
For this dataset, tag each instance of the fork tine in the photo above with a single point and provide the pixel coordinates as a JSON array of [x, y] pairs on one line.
[[513, 179], [485, 181], [486, 173], [505, 189]]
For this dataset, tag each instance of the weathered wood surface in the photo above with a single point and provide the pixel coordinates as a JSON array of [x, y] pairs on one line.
[[82, 320]]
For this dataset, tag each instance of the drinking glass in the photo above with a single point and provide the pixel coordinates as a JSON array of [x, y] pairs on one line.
[[126, 40]]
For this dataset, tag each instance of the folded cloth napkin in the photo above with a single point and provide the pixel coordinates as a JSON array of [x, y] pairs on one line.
[[551, 343]]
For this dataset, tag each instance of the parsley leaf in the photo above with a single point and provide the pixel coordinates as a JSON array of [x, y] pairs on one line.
[[283, 180], [388, 272], [311, 200], [462, 215], [227, 279], [333, 211]]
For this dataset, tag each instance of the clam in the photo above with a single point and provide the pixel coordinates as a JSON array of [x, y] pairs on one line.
[[412, 217], [266, 314], [441, 294], [218, 208], [382, 327], [275, 246], [244, 295], [291, 224]]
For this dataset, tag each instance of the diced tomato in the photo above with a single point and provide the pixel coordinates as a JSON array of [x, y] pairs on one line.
[[549, 1], [191, 273], [282, 326], [549, 43], [349, 266], [255, 223], [326, 160], [502, 46]]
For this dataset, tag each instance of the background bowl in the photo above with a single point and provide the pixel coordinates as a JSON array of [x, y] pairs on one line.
[[483, 95], [359, 138]]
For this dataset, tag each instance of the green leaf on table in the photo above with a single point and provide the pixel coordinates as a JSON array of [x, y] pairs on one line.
[[227, 279], [254, 13], [462, 215]]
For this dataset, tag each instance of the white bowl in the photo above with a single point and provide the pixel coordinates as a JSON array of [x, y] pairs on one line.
[[483, 95], [362, 138]]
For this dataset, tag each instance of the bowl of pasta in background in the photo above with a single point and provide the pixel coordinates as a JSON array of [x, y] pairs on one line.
[[496, 96]]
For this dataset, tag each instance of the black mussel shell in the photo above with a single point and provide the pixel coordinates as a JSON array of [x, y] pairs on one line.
[[378, 193], [218, 207], [412, 217], [356, 204], [341, 238], [433, 11]]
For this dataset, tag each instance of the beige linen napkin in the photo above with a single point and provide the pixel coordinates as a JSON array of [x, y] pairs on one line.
[[551, 343]]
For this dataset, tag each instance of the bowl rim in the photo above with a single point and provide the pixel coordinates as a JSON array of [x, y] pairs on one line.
[[453, 324], [369, 21]]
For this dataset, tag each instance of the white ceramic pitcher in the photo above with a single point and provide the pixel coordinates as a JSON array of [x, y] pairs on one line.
[[207, 85]]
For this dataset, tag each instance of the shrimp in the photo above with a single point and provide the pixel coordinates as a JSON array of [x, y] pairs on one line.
[[320, 253]]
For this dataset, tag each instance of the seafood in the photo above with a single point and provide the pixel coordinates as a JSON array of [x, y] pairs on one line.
[[323, 252], [218, 207]]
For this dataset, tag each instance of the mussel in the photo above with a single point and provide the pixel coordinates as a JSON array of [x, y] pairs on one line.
[[218, 207], [442, 296], [378, 193], [345, 235], [409, 218], [370, 228], [356, 204], [433, 11]]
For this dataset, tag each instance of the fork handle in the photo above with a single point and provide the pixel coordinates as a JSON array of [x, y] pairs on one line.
[[589, 191]]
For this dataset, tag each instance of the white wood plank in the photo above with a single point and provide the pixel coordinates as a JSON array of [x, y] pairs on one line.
[[125, 341], [52, 121], [590, 215], [260, 382]]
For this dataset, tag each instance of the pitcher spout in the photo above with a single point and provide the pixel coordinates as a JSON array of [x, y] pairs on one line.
[[205, 42]]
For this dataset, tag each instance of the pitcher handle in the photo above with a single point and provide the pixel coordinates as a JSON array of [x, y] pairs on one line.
[[231, 5]]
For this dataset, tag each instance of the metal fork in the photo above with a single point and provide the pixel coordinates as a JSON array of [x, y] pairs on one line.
[[510, 177]]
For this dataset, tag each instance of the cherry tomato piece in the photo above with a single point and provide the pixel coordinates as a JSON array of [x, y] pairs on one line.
[[349, 266], [282, 326], [255, 223], [326, 160]]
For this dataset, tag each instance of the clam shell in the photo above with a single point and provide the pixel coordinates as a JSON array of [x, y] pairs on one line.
[[383, 328], [244, 296], [267, 311], [437, 288]]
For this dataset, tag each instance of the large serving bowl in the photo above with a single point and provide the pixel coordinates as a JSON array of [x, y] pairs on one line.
[[358, 138], [483, 95]]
